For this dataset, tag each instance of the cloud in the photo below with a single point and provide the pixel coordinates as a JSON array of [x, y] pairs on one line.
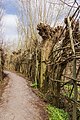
[[10, 26]]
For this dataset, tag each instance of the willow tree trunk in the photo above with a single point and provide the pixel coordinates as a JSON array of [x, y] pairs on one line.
[[45, 52], [36, 70], [43, 69]]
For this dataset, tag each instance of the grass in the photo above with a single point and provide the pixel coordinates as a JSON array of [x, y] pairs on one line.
[[57, 114]]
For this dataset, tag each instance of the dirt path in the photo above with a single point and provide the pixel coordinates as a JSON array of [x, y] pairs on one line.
[[18, 102]]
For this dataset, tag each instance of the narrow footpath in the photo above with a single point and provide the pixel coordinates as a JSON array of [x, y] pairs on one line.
[[19, 102]]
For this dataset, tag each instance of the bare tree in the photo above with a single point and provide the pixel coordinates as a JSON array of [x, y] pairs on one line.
[[1, 22], [1, 41], [32, 12]]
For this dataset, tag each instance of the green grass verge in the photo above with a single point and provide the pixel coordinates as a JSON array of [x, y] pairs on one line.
[[57, 114]]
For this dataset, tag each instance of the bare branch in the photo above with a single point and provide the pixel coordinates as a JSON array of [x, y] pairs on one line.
[[67, 4]]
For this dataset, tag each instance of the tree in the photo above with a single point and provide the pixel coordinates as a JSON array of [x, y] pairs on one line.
[[1, 41]]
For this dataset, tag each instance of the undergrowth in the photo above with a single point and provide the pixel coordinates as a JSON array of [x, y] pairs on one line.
[[34, 85], [57, 114]]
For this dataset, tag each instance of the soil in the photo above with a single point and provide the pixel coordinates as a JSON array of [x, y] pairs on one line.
[[19, 102]]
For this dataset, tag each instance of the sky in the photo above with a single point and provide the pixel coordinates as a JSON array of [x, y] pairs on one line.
[[9, 20]]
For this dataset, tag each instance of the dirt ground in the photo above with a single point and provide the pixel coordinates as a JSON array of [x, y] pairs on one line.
[[19, 102]]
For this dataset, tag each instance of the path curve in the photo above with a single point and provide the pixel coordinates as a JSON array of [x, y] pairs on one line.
[[18, 102]]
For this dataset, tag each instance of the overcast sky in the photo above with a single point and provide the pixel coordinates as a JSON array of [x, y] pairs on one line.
[[9, 19]]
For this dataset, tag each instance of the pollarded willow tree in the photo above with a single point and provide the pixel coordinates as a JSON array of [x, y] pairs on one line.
[[32, 12]]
